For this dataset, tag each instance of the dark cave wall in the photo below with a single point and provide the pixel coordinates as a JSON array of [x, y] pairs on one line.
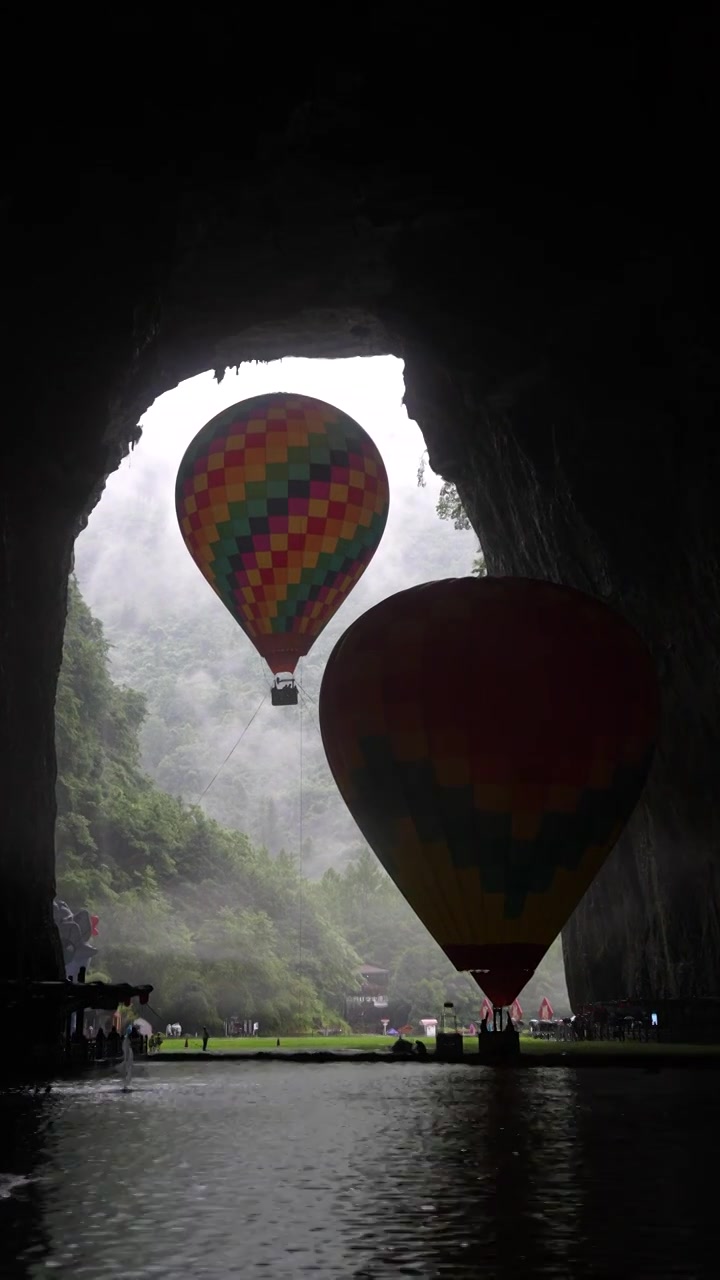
[[613, 491], [545, 293], [35, 561], [81, 250]]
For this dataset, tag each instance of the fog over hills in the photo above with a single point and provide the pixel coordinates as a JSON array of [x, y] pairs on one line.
[[173, 639]]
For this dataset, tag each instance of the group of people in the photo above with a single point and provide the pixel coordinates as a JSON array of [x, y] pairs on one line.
[[407, 1050], [508, 1030], [110, 1045]]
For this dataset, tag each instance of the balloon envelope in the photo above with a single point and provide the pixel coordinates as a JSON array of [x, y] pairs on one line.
[[491, 737], [282, 501]]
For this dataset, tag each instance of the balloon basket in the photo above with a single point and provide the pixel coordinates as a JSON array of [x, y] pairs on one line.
[[284, 695], [498, 1047], [449, 1046]]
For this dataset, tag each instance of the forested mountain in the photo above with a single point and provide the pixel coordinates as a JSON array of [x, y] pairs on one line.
[[217, 924], [202, 823], [172, 639]]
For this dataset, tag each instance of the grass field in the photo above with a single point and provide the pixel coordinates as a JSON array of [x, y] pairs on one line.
[[334, 1043], [235, 1044]]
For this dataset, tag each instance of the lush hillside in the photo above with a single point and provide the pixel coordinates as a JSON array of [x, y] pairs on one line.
[[220, 924], [203, 681], [173, 640], [144, 774]]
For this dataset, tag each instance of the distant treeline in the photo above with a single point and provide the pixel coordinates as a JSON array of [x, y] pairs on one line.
[[221, 925]]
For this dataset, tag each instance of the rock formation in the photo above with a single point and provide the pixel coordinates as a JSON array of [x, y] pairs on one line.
[[524, 216]]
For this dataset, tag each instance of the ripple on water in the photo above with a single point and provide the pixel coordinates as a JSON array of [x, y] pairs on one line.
[[359, 1171]]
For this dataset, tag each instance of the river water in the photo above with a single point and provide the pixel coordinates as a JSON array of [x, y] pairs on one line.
[[265, 1170]]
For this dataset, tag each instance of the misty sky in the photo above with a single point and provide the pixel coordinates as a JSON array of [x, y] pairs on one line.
[[416, 547], [138, 578]]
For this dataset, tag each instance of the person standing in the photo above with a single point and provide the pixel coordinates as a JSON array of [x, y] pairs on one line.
[[205, 1038]]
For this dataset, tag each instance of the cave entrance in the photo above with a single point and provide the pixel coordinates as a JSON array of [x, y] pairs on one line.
[[210, 735], [173, 641], [171, 637]]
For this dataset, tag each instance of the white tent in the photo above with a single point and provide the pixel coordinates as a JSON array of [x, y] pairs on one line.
[[429, 1026]]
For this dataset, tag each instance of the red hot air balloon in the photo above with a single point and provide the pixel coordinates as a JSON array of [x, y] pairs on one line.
[[491, 738], [282, 501]]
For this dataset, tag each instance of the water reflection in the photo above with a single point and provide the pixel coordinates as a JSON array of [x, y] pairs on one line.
[[648, 1171], [23, 1119], [362, 1171], [493, 1183]]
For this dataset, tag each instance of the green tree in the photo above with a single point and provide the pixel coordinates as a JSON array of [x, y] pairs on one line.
[[221, 925], [449, 507]]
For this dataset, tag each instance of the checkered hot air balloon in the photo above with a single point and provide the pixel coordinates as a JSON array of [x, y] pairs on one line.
[[282, 501], [491, 738]]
